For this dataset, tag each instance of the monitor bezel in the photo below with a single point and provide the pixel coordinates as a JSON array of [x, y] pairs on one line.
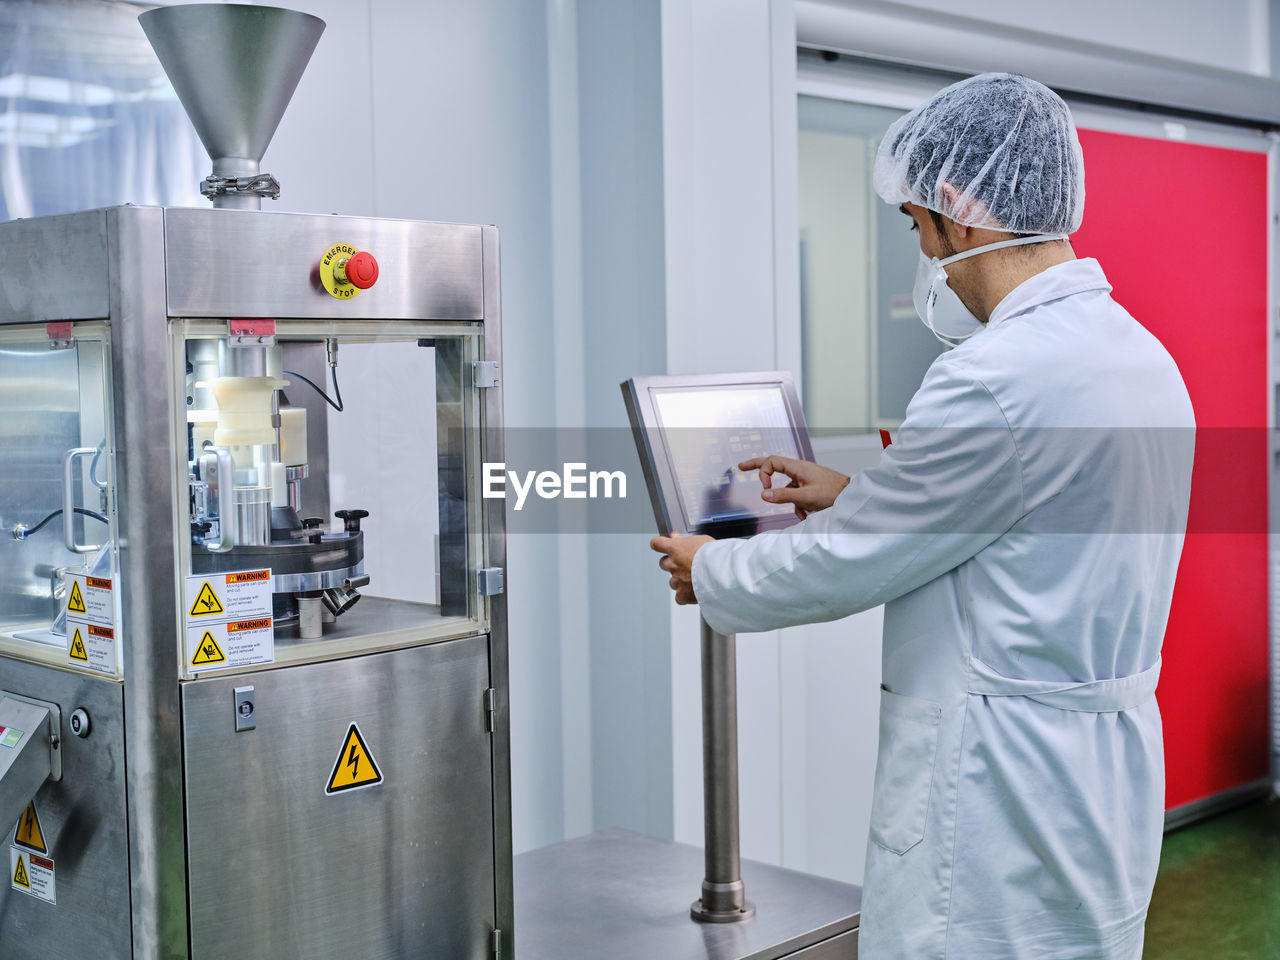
[[659, 473]]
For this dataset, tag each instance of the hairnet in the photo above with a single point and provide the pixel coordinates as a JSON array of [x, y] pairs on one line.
[[1007, 145]]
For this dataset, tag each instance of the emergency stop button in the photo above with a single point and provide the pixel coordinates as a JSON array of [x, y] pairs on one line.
[[362, 270], [345, 271]]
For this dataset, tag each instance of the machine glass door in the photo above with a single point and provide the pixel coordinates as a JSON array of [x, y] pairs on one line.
[[332, 493], [58, 584]]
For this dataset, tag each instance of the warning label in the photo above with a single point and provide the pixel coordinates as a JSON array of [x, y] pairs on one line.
[[355, 767], [239, 643], [230, 596], [91, 635], [75, 603], [208, 652], [229, 620], [32, 874], [28, 832]]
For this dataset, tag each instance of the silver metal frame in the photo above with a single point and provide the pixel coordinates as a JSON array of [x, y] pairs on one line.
[[659, 473]]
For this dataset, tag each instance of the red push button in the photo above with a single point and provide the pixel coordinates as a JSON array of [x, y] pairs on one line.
[[362, 270]]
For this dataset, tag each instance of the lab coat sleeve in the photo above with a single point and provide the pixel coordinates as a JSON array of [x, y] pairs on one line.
[[949, 484]]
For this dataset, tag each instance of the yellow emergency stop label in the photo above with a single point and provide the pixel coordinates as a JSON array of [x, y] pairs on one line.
[[28, 832], [328, 263], [355, 767]]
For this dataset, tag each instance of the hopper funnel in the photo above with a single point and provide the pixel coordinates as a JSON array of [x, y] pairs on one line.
[[234, 67]]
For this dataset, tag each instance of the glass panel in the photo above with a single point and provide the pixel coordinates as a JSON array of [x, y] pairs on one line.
[[53, 425], [335, 460], [865, 351]]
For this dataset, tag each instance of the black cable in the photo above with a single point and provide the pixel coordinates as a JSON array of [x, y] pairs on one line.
[[80, 510], [333, 372]]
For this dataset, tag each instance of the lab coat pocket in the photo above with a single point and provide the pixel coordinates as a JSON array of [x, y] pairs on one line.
[[904, 770]]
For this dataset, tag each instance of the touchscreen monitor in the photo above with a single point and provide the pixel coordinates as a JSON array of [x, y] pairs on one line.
[[692, 432]]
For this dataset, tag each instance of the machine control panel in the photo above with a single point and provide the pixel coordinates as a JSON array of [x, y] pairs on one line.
[[345, 271]]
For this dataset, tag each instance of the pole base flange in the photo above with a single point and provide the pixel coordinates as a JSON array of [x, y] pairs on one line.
[[703, 915]]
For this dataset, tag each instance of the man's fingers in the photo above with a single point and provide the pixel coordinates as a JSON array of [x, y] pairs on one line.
[[661, 544]]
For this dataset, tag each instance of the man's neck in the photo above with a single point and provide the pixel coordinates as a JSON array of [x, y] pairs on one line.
[[1012, 267]]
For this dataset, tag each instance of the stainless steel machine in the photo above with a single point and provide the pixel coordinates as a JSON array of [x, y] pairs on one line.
[[253, 654]]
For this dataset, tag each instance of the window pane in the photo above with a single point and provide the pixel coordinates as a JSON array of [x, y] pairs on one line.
[[865, 351]]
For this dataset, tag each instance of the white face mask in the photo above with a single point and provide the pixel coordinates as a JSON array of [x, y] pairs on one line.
[[939, 308]]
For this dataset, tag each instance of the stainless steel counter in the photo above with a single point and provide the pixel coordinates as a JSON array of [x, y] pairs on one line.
[[623, 896]]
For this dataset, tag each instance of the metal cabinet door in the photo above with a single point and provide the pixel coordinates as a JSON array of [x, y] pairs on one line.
[[401, 868]]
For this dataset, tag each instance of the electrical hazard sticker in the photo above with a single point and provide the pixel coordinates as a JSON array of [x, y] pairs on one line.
[[355, 767], [238, 643], [32, 874], [28, 832], [229, 620]]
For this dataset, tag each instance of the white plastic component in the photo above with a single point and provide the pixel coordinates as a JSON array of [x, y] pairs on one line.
[[279, 486], [293, 436], [244, 410]]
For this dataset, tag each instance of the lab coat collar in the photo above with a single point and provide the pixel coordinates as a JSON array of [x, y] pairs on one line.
[[1058, 281]]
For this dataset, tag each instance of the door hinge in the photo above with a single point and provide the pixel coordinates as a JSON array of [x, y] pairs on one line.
[[490, 581], [484, 373], [491, 710], [495, 944]]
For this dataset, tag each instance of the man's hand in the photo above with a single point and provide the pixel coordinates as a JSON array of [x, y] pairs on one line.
[[812, 487], [677, 560]]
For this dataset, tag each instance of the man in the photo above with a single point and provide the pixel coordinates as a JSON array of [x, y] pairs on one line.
[[1023, 532]]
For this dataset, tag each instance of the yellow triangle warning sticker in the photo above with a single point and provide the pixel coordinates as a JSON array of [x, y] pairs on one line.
[[208, 651], [28, 833], [207, 602], [355, 766], [20, 878], [76, 603], [78, 652]]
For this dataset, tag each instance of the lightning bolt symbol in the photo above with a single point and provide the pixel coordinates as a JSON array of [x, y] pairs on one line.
[[353, 761]]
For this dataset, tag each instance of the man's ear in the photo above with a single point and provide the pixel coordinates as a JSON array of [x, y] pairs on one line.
[[951, 197]]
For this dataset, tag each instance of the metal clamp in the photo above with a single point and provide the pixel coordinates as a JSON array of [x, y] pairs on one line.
[[217, 470], [69, 501], [484, 374], [263, 185], [489, 579]]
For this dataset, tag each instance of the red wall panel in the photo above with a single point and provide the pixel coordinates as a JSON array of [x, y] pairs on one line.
[[1181, 232]]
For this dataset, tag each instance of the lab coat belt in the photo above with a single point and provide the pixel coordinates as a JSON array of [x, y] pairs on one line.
[[1091, 696]]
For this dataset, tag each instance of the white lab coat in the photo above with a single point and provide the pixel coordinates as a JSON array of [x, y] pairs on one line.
[[1023, 532]]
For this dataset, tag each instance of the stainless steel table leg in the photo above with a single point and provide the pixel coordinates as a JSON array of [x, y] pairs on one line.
[[723, 898]]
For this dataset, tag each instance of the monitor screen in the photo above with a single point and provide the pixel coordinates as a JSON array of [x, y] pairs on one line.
[[707, 431]]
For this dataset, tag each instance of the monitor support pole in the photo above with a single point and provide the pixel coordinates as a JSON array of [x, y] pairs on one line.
[[723, 898]]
